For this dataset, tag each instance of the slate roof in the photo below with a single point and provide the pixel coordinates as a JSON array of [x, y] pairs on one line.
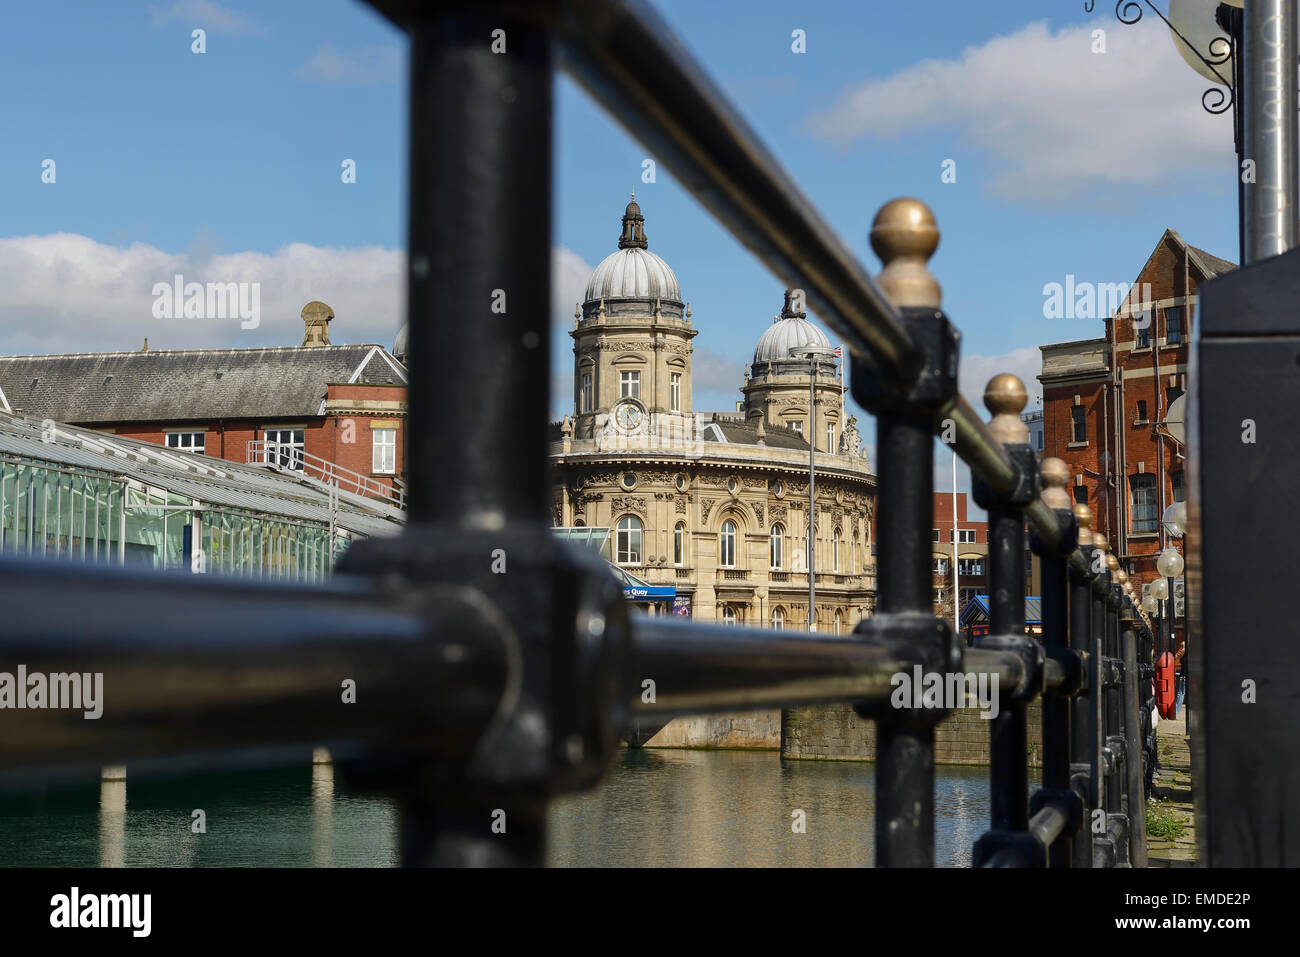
[[189, 384], [740, 433], [1214, 266]]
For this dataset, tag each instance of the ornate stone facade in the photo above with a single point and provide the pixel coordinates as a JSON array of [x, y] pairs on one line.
[[713, 504]]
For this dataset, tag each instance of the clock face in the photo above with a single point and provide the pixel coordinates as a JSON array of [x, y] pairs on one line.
[[628, 415]]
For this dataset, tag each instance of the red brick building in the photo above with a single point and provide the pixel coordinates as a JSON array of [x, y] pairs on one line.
[[316, 408], [972, 554], [1106, 403]]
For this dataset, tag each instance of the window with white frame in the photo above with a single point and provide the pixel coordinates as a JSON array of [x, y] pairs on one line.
[[383, 458], [835, 550], [796, 424], [970, 566], [727, 545], [629, 385], [965, 536], [728, 615], [839, 622], [778, 617], [940, 566], [285, 447], [830, 436], [627, 541], [679, 544], [187, 441], [777, 540], [586, 392], [675, 391]]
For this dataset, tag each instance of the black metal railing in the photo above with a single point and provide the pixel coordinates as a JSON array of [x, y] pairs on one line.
[[494, 667]]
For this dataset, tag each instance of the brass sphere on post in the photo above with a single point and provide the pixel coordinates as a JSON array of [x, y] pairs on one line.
[[1100, 541], [904, 235], [1112, 563], [1005, 397], [1056, 476], [1083, 515]]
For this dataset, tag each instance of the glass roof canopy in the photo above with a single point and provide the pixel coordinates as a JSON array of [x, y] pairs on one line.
[[597, 539], [74, 493]]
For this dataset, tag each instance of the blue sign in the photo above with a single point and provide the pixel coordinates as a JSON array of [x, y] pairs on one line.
[[649, 592]]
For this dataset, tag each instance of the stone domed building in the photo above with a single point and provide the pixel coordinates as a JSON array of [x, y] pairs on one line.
[[714, 505]]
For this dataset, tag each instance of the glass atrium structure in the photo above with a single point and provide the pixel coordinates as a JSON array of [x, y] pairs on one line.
[[72, 493]]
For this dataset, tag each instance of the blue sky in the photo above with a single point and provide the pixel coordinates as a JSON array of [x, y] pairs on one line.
[[226, 165]]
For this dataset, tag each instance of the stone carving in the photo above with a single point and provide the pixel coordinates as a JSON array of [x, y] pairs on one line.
[[758, 511], [850, 440], [628, 503], [706, 506], [715, 480], [681, 506], [779, 513], [837, 517], [755, 483]]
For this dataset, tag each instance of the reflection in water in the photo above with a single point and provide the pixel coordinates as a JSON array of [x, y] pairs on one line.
[[322, 810], [293, 817], [668, 808], [112, 820], [656, 808]]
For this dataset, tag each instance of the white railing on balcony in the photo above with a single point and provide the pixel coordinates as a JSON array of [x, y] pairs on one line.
[[292, 458]]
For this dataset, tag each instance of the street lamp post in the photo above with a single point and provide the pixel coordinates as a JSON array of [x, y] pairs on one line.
[[813, 354], [761, 593]]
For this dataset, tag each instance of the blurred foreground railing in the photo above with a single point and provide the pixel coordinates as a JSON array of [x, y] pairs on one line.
[[492, 667]]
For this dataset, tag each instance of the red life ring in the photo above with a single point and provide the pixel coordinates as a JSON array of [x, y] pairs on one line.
[[1165, 666]]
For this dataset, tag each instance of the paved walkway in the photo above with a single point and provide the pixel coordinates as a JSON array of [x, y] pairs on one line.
[[1172, 795]]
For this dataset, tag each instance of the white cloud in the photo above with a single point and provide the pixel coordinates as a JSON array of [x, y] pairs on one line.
[[208, 15], [569, 275], [70, 293], [1053, 119], [366, 66]]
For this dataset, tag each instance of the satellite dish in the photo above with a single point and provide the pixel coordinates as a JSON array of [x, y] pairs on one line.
[[1196, 21], [1176, 419]]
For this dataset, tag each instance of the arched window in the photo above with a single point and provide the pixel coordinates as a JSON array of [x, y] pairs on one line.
[[778, 617], [679, 544], [835, 550], [628, 541], [728, 615], [839, 621], [727, 545], [777, 541], [853, 556]]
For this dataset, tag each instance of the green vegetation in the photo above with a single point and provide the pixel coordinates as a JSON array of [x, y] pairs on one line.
[[1163, 823]]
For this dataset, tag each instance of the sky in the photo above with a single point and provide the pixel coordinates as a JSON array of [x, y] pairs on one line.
[[228, 165]]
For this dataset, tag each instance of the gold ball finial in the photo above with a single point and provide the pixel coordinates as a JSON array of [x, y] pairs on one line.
[[1005, 397], [1083, 515], [905, 236], [1056, 476], [1121, 576], [1112, 562], [1100, 541]]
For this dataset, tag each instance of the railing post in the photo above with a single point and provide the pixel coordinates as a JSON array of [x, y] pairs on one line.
[[904, 235], [1084, 730], [1057, 703], [1005, 397], [1133, 740], [1104, 756]]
